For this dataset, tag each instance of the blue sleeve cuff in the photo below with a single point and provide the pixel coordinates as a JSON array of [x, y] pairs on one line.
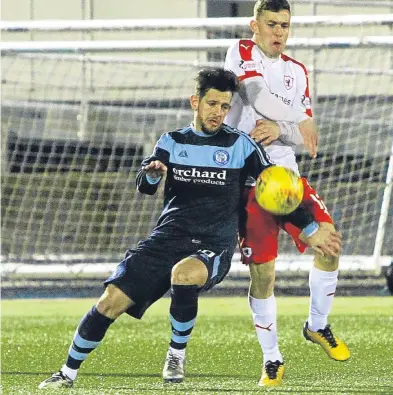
[[152, 180], [311, 229]]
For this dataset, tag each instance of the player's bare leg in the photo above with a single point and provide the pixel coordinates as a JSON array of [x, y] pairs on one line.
[[187, 276], [323, 282], [89, 335], [264, 312]]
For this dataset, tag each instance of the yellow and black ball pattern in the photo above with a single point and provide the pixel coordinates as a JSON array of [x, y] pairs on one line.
[[279, 190]]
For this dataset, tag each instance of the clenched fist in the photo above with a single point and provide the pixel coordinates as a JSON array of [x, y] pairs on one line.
[[155, 169]]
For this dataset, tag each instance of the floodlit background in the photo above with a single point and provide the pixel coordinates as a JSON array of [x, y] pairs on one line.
[[88, 87]]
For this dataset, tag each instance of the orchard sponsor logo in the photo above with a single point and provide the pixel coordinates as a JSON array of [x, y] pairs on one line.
[[195, 176]]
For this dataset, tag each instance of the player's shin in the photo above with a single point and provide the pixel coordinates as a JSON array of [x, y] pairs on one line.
[[322, 290], [264, 314], [264, 309], [183, 312], [316, 329], [87, 337]]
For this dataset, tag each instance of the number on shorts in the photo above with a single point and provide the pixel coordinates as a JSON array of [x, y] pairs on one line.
[[320, 202], [210, 254]]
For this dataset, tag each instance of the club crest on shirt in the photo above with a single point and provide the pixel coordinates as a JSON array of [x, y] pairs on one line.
[[247, 251], [288, 82], [221, 157]]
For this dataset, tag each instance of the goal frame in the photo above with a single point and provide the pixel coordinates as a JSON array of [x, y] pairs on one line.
[[88, 49]]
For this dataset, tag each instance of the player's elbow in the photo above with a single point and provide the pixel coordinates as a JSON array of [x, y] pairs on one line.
[[146, 190]]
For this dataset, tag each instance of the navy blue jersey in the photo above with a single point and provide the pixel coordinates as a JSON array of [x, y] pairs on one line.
[[205, 179]]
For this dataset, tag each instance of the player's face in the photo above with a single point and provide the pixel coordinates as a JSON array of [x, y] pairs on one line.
[[271, 32], [210, 110]]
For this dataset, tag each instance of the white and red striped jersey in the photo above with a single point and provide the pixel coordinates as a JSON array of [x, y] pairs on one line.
[[287, 82]]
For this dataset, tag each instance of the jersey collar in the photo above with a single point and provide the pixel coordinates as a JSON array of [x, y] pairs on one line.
[[266, 60], [200, 133]]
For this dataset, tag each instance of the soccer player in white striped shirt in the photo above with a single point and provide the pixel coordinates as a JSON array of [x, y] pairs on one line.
[[273, 105]]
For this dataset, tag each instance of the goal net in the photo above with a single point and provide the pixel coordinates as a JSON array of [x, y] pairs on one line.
[[75, 129]]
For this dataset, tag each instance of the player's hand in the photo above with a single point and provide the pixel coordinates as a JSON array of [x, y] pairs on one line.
[[155, 169], [309, 132], [325, 241], [265, 132]]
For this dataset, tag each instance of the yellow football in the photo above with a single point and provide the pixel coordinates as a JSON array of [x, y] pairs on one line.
[[279, 190]]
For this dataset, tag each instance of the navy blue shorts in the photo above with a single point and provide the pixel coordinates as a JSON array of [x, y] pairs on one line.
[[145, 273]]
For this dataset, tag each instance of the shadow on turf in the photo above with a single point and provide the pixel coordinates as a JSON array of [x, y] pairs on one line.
[[298, 390], [201, 375], [384, 389]]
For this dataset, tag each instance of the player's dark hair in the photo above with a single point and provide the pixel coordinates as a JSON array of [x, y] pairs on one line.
[[215, 78], [270, 5]]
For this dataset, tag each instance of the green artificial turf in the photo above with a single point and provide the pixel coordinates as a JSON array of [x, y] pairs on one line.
[[223, 355]]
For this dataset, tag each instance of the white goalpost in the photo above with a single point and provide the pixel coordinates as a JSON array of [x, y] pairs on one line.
[[76, 125]]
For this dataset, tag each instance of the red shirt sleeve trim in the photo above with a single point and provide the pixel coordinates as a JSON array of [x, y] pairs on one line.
[[249, 74]]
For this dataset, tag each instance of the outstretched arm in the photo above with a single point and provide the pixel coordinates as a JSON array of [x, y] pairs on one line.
[[154, 167], [306, 133], [324, 240]]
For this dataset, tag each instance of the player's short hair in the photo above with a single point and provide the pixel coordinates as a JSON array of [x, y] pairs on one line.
[[270, 5], [215, 78]]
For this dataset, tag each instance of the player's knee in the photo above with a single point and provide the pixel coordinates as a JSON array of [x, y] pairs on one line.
[[189, 271], [326, 263], [262, 280], [113, 302]]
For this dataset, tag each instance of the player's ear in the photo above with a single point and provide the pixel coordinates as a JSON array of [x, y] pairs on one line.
[[254, 26], [194, 100]]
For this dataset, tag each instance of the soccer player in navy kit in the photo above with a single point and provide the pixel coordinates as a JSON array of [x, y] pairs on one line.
[[190, 249]]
